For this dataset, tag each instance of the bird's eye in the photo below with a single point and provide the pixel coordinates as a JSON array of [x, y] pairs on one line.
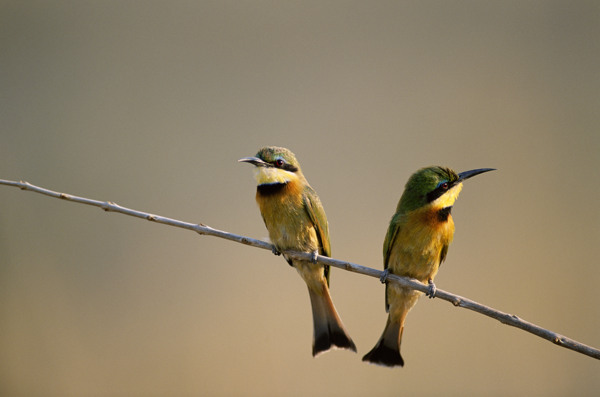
[[279, 162], [444, 185]]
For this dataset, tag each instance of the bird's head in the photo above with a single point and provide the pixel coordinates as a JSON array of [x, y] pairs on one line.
[[437, 186], [275, 165]]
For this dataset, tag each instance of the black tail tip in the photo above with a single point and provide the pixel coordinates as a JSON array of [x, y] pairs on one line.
[[325, 342], [383, 355]]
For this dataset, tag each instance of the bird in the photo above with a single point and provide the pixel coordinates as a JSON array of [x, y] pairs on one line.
[[415, 245], [296, 220]]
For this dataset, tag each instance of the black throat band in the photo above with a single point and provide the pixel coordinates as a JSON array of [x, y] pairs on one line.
[[270, 189], [444, 213]]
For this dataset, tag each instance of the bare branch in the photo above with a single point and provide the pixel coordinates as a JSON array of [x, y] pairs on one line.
[[456, 300]]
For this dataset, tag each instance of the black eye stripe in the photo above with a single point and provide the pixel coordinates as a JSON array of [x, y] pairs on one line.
[[438, 191], [289, 167], [282, 164]]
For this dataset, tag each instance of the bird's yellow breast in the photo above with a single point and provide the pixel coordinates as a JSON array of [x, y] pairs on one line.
[[419, 242], [286, 219]]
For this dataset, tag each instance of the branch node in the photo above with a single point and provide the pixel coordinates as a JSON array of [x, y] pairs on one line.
[[456, 301], [199, 228], [151, 217], [65, 196]]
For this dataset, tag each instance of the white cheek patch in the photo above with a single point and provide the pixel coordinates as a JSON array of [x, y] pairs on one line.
[[270, 175]]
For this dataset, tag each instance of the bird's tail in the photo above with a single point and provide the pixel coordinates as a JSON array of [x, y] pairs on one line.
[[387, 350], [328, 328]]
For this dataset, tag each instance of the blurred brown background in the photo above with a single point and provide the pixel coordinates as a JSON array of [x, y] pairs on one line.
[[151, 103]]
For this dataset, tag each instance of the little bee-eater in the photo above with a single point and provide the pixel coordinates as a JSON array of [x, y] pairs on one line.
[[415, 245], [296, 221]]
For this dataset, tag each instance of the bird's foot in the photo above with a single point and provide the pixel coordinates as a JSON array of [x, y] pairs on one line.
[[432, 289], [275, 251], [384, 276], [313, 256]]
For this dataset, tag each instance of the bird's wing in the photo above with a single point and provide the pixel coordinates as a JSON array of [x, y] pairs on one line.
[[388, 243], [316, 213], [443, 254]]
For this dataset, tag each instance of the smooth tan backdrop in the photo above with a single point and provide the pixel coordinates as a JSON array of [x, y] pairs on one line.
[[151, 103]]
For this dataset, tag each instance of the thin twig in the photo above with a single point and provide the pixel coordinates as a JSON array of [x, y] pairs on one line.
[[456, 300]]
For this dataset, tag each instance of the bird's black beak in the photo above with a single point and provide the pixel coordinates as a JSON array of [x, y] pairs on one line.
[[254, 160], [468, 174]]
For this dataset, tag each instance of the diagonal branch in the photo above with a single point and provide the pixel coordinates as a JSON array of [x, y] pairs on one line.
[[456, 300]]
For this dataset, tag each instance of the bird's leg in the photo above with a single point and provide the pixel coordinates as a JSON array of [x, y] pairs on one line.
[[432, 289], [313, 256], [275, 251], [384, 276]]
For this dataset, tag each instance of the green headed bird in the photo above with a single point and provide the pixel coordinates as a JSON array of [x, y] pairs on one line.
[[296, 221], [415, 245]]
